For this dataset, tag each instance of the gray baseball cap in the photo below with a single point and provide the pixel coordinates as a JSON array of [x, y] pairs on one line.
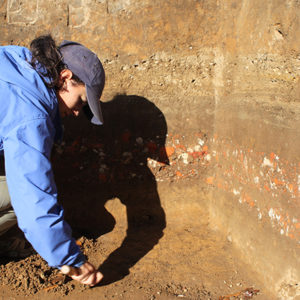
[[86, 65]]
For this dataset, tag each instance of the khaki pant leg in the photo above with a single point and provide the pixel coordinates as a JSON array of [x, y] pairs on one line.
[[7, 216]]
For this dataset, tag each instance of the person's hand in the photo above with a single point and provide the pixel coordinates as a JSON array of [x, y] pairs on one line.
[[87, 274]]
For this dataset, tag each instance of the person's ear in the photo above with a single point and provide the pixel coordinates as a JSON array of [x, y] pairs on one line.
[[64, 75]]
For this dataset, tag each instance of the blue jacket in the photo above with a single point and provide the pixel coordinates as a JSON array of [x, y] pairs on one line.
[[29, 124]]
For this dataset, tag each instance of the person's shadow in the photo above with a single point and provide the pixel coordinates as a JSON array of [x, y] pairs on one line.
[[110, 161]]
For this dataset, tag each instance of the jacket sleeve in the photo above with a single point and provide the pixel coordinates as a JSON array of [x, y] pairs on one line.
[[33, 192]]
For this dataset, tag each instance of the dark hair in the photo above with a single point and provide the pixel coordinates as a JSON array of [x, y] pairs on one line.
[[45, 53]]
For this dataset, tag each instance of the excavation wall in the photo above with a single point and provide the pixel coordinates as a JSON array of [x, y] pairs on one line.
[[224, 75]]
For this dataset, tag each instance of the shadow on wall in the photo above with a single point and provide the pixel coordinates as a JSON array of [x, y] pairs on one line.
[[99, 163]]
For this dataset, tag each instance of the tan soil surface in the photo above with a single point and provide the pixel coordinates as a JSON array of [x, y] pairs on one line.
[[191, 261]]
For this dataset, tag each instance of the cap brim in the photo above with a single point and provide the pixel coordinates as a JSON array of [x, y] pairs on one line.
[[94, 104]]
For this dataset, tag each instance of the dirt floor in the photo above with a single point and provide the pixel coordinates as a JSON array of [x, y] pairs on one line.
[[183, 258]]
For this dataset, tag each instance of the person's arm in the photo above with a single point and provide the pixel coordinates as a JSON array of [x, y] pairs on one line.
[[33, 193], [30, 180]]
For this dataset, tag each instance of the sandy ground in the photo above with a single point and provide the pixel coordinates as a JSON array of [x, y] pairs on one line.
[[187, 260]]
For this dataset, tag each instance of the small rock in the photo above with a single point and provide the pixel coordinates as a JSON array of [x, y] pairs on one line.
[[139, 140]]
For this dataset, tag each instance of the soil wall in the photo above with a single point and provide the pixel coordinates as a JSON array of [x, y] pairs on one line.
[[225, 76]]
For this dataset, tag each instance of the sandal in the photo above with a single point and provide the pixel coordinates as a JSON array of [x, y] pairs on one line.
[[15, 247]]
